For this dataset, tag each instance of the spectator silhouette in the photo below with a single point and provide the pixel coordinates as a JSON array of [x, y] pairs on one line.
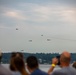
[[17, 64], [0, 56], [33, 66], [3, 70], [74, 65], [66, 69]]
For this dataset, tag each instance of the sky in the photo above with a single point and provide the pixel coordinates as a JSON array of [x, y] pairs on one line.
[[38, 25]]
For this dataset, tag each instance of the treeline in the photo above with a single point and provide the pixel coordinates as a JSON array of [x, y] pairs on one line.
[[44, 58]]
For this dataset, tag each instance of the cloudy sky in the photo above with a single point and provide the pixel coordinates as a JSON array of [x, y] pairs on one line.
[[38, 25]]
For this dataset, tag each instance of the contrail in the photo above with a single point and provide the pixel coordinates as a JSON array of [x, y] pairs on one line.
[[63, 39]]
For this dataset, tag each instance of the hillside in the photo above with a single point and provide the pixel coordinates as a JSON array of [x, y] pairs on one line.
[[44, 58]]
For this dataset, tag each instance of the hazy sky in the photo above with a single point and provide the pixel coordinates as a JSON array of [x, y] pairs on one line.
[[37, 21]]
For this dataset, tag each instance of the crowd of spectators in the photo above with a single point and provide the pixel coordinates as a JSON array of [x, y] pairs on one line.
[[17, 65]]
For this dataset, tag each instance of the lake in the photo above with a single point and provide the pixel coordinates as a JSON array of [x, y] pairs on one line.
[[44, 67]]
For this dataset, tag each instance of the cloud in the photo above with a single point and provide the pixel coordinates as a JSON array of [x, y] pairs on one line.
[[50, 12], [41, 13], [35, 12], [69, 15], [12, 12], [15, 15]]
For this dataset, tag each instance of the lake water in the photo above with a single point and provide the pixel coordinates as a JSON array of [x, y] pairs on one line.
[[43, 67], [46, 67]]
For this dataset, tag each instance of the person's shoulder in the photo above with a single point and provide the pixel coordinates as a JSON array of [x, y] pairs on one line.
[[43, 72], [58, 71], [64, 71], [16, 73], [4, 71], [72, 68], [39, 72]]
